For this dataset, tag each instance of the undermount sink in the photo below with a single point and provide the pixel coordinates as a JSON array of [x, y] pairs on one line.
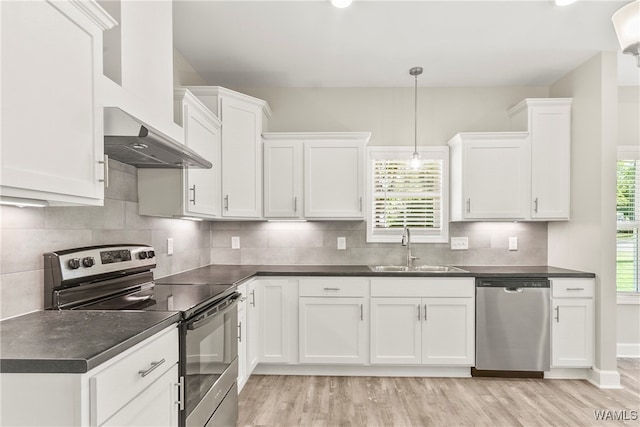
[[417, 269]]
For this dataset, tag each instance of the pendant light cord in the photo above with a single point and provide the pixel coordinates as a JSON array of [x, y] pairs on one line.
[[415, 121]]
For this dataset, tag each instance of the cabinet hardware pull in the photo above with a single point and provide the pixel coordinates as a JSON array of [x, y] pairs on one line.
[[253, 297], [419, 312], [295, 204], [194, 194], [535, 205], [240, 331], [558, 314], [360, 204], [361, 312], [425, 312], [226, 202], [331, 289], [143, 373], [180, 400], [105, 172], [575, 289], [468, 205]]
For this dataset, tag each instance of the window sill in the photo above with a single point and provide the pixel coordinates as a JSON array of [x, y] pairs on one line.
[[628, 298]]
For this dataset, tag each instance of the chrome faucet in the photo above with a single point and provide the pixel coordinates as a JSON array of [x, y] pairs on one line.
[[406, 241]]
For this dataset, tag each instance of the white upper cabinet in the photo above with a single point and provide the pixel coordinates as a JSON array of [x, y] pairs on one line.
[[52, 146], [548, 122], [490, 176], [315, 175], [241, 154]]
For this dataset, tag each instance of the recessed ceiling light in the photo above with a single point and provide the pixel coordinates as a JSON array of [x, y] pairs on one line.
[[341, 3], [564, 2]]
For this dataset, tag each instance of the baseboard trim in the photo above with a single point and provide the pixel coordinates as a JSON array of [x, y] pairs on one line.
[[628, 350], [364, 371], [604, 379], [567, 374]]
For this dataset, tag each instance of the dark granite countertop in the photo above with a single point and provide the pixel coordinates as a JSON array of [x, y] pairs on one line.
[[73, 341], [235, 274]]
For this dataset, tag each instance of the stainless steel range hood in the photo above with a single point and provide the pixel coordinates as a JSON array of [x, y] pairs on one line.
[[133, 142]]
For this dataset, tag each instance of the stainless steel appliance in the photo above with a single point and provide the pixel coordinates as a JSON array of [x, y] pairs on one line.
[[512, 325], [119, 277]]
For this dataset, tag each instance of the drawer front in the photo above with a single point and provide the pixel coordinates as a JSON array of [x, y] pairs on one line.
[[334, 287], [423, 287], [572, 288], [116, 385]]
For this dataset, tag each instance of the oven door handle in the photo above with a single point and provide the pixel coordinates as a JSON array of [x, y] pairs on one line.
[[220, 309]]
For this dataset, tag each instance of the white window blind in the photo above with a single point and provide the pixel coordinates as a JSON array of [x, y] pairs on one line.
[[402, 196], [628, 219]]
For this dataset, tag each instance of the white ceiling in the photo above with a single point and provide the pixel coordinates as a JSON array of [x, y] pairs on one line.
[[373, 43]]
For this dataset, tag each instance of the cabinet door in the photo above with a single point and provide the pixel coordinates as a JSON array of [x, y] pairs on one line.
[[276, 305], [334, 179], [496, 179], [333, 330], [252, 328], [202, 195], [155, 406], [550, 130], [448, 334], [396, 331], [242, 344], [51, 118], [241, 159], [572, 333], [283, 179]]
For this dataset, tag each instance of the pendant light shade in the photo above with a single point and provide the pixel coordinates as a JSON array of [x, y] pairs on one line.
[[341, 3], [626, 22], [416, 161]]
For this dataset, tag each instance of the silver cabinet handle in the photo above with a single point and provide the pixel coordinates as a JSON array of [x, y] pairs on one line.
[[361, 311], [240, 331], [557, 314], [575, 289], [143, 373], [105, 172], [468, 205], [253, 297], [331, 289], [535, 205], [180, 401], [360, 204], [425, 312], [226, 202], [295, 204], [419, 312], [194, 194]]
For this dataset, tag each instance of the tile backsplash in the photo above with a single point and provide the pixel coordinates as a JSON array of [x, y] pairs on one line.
[[29, 232]]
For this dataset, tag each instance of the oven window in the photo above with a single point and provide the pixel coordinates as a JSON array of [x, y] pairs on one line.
[[211, 346]]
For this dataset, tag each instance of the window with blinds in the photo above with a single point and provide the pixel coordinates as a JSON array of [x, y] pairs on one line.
[[402, 196], [628, 219]]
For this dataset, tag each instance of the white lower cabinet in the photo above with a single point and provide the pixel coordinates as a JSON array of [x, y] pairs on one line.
[[252, 327], [572, 323], [243, 374], [409, 329], [277, 301]]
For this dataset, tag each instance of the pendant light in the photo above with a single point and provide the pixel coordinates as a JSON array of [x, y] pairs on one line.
[[416, 161], [626, 22]]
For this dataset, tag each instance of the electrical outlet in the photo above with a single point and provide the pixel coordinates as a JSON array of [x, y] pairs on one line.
[[513, 243], [342, 243], [169, 245], [235, 242], [459, 243]]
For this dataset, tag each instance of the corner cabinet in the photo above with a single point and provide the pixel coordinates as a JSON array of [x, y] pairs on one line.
[[548, 121], [52, 131], [572, 323], [243, 120], [315, 175], [490, 176], [187, 192]]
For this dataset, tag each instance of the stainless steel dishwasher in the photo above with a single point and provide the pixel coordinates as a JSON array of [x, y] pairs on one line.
[[512, 325]]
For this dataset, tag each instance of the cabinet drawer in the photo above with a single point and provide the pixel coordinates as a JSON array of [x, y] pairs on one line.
[[423, 287], [572, 288], [326, 287], [116, 385]]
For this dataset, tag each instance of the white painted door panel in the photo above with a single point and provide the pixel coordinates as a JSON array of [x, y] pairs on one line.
[[448, 331], [572, 333], [396, 325], [283, 179]]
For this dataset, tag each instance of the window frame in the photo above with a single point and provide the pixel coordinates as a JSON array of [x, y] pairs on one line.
[[627, 152], [405, 152]]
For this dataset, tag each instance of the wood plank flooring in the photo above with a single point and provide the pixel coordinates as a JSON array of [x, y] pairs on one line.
[[384, 401]]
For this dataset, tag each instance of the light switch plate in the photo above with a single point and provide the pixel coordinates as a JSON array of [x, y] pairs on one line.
[[513, 243], [459, 243], [169, 245], [342, 243], [235, 242]]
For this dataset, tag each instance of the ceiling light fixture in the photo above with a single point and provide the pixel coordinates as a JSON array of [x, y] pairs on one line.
[[416, 161], [341, 3], [626, 22], [565, 2]]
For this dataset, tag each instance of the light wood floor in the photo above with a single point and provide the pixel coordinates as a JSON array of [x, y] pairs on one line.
[[378, 401]]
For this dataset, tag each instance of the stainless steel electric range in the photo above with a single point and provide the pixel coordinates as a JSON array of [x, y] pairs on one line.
[[119, 277]]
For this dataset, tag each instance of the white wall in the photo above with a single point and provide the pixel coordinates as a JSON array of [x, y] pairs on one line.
[[587, 242]]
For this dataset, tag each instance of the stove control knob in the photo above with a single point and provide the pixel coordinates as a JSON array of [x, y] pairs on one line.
[[142, 255], [74, 263], [151, 254], [88, 261]]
